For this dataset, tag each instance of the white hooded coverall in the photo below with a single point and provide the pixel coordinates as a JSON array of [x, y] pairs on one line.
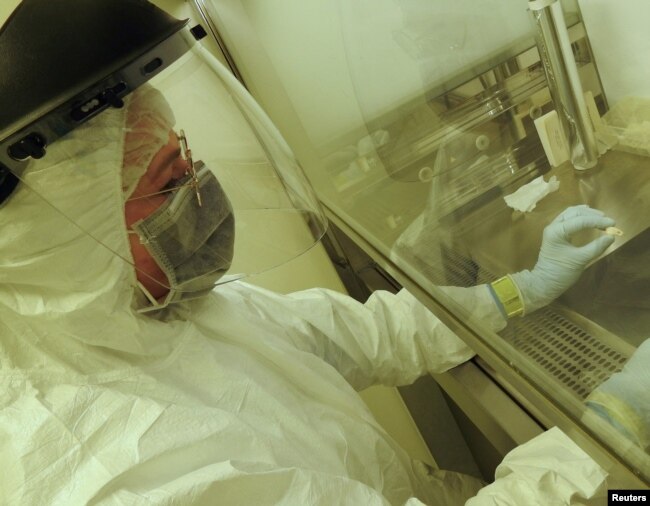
[[243, 397]]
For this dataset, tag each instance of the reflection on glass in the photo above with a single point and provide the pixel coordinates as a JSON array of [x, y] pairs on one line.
[[624, 399], [413, 119]]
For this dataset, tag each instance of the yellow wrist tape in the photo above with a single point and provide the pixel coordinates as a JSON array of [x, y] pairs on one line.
[[509, 296]]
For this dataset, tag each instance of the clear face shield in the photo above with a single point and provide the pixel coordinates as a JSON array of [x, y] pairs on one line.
[[203, 182]]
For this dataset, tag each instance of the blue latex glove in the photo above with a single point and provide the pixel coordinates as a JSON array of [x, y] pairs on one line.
[[560, 263]]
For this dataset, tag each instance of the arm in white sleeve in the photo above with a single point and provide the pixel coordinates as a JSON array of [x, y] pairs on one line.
[[389, 340], [549, 469], [624, 399], [480, 302]]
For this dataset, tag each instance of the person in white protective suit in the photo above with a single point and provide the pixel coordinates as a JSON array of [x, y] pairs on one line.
[[124, 377]]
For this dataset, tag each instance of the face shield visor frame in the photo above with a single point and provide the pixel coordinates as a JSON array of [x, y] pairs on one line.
[[20, 142], [237, 154]]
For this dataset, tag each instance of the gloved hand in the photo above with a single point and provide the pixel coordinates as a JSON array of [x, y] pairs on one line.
[[624, 399], [560, 263]]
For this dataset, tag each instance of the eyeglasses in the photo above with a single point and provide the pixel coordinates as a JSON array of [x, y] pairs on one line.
[[186, 154]]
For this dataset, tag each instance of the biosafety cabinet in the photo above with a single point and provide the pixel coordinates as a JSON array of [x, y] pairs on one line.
[[414, 119]]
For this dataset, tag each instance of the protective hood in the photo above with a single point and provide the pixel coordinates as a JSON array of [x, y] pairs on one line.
[[60, 290], [207, 176], [67, 270]]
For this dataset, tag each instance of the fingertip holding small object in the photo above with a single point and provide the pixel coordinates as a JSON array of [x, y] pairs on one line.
[[614, 231]]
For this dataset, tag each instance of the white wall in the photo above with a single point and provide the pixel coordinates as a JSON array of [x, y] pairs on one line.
[[618, 32], [6, 8], [341, 63]]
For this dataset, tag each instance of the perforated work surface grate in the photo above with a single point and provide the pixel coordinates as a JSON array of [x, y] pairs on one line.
[[576, 352], [573, 350], [579, 358]]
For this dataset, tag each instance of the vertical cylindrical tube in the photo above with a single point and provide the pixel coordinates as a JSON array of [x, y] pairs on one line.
[[564, 82]]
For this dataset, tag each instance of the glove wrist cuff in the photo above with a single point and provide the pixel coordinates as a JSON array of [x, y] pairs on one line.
[[509, 296]]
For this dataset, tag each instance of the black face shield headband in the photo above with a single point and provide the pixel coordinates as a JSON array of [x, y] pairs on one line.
[[85, 57]]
